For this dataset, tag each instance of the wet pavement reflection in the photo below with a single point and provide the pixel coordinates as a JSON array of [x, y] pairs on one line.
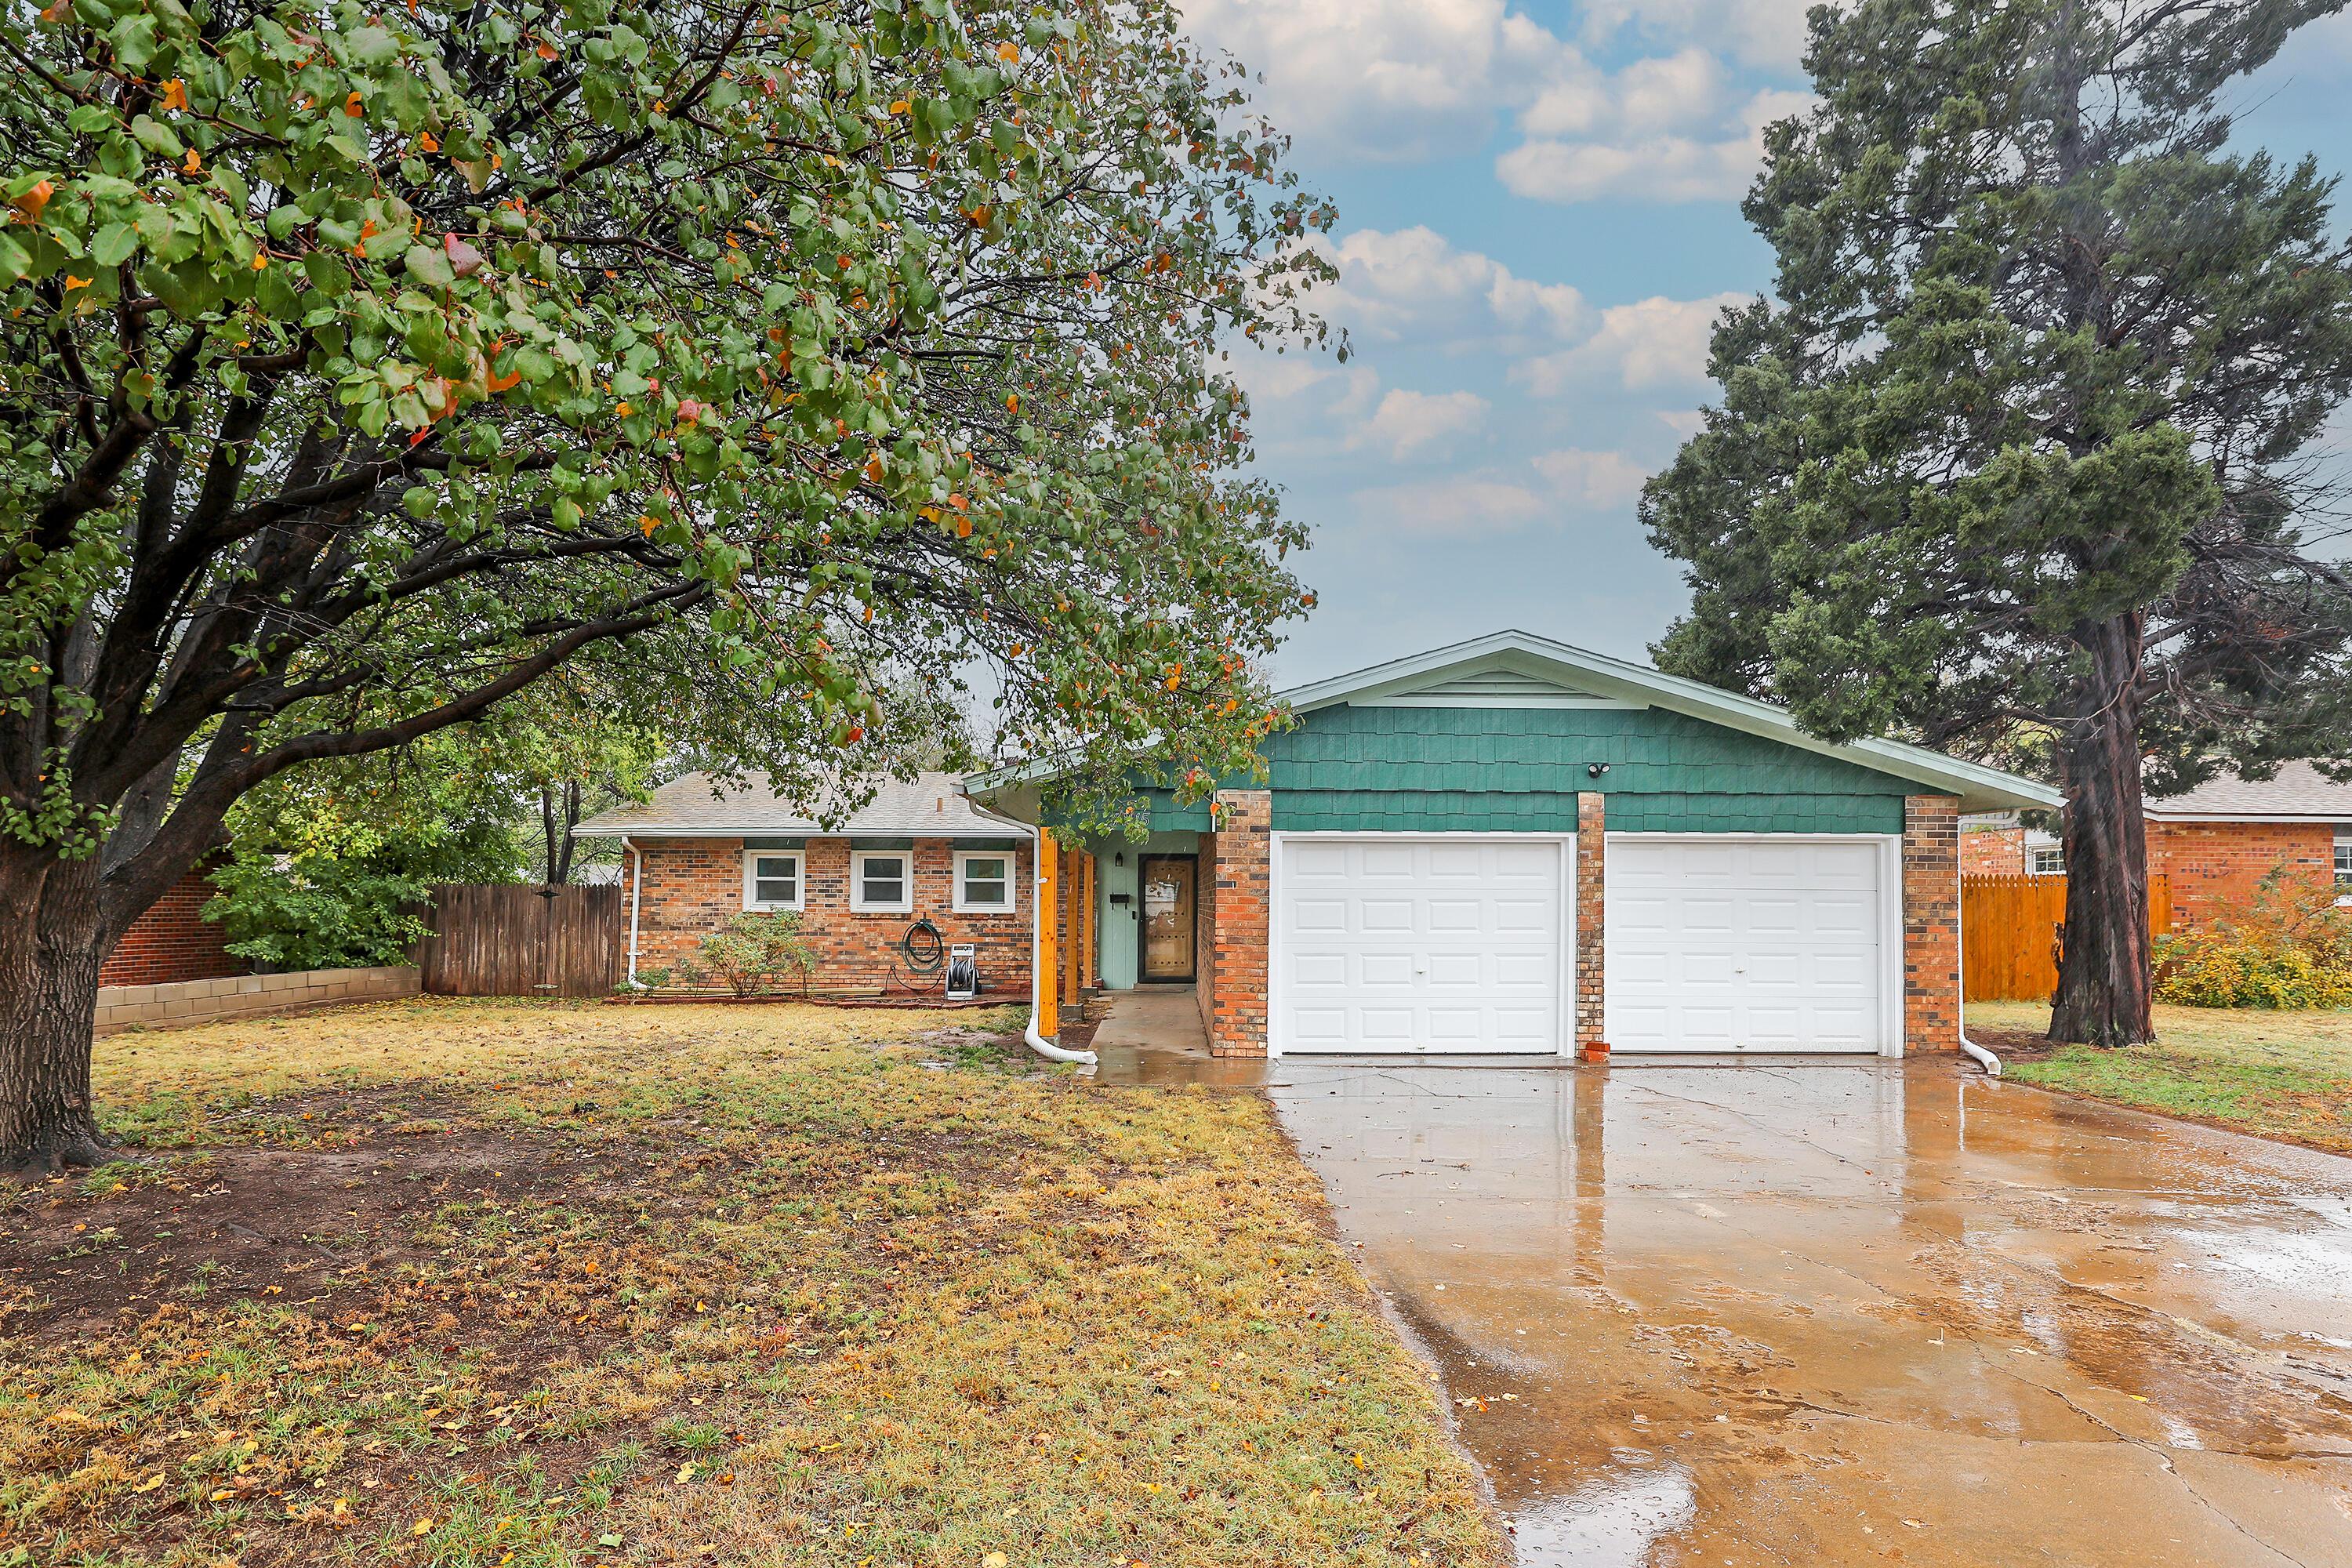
[[1854, 1313]]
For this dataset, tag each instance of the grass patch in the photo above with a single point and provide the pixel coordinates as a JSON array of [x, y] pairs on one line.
[[2280, 1074], [540, 1284]]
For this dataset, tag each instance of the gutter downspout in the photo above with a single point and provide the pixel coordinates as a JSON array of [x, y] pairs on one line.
[[1038, 978], [1984, 1058], [636, 887]]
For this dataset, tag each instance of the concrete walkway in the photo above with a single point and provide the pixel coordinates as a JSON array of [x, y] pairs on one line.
[[1154, 1036]]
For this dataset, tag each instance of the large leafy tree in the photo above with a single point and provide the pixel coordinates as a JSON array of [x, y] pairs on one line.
[[2020, 460], [359, 365]]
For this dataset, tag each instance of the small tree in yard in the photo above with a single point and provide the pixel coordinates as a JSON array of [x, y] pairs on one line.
[[2020, 461], [361, 364], [755, 951]]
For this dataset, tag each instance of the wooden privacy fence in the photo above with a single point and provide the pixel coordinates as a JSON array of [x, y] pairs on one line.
[[2009, 928], [517, 940]]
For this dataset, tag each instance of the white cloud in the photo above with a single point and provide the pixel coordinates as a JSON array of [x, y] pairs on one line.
[[1770, 33], [1490, 501], [1651, 343], [1468, 506], [1667, 92], [1405, 421], [1267, 376], [1410, 80], [1413, 285], [1598, 481], [1382, 79], [1684, 423], [1633, 155]]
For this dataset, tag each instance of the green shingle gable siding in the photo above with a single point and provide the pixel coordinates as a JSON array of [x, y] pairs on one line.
[[1520, 769], [1167, 816]]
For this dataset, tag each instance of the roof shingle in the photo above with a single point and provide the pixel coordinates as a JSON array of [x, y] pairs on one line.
[[932, 805], [2299, 792]]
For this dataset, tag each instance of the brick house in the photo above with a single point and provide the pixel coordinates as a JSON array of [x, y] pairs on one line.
[[2219, 840], [696, 854], [2213, 844], [1996, 844], [170, 942], [1516, 847]]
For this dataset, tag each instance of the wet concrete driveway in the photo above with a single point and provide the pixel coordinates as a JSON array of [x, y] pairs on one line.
[[1834, 1315]]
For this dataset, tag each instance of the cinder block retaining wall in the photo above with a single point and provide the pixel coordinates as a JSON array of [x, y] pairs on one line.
[[249, 995]]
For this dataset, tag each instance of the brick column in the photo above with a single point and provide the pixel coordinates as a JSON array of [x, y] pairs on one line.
[[1591, 924], [1931, 923], [1241, 879]]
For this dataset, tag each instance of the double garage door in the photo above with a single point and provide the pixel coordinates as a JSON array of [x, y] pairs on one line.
[[1384, 942]]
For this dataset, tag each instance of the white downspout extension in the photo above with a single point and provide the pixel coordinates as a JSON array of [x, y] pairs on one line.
[[636, 887], [1985, 1059], [1037, 976]]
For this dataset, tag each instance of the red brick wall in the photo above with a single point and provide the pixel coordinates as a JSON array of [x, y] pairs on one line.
[[169, 943], [694, 886], [1993, 852], [1241, 876], [1592, 925], [2215, 864], [1931, 923]]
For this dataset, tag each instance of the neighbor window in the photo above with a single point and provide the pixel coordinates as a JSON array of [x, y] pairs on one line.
[[879, 880], [2343, 857], [2046, 862], [772, 879], [983, 881]]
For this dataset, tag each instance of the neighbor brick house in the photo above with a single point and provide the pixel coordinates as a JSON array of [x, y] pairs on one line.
[[696, 853], [2219, 840], [2212, 844], [171, 943], [1516, 847]]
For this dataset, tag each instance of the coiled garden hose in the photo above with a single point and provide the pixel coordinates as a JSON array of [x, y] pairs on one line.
[[922, 952]]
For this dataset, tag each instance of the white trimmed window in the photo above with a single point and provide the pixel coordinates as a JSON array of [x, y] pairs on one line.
[[772, 880], [2047, 861], [983, 881], [881, 881], [2344, 855]]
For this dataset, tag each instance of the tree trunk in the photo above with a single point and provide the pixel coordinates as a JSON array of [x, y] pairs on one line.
[[2106, 977], [52, 940]]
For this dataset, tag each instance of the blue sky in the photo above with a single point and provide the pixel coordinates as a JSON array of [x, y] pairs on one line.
[[1539, 216]]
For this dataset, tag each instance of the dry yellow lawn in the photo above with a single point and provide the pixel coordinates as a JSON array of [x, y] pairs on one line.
[[524, 1283]]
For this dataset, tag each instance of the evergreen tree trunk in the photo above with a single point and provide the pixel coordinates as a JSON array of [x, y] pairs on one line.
[[52, 938], [2105, 979]]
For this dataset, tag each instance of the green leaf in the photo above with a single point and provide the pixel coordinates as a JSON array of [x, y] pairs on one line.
[[114, 245], [156, 136], [427, 265], [14, 261], [133, 39]]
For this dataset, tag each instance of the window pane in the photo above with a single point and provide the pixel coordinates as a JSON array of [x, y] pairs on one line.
[[984, 879], [775, 880], [885, 880]]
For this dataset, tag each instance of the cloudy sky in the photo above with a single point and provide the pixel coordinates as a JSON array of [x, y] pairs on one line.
[[1540, 216]]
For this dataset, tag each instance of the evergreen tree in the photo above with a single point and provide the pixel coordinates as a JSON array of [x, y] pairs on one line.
[[2021, 459]]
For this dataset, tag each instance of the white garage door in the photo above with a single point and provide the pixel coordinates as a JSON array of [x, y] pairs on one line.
[[1389, 943], [1744, 944]]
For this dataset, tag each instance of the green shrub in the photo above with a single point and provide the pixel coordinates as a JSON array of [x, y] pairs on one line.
[[2287, 946], [755, 951]]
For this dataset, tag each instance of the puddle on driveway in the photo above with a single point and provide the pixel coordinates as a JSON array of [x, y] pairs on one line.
[[1830, 1314]]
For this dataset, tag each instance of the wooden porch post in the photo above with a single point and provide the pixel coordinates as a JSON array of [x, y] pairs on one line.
[[1042, 961]]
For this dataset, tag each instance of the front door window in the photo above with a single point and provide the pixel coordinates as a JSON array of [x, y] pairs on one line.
[[1168, 889]]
